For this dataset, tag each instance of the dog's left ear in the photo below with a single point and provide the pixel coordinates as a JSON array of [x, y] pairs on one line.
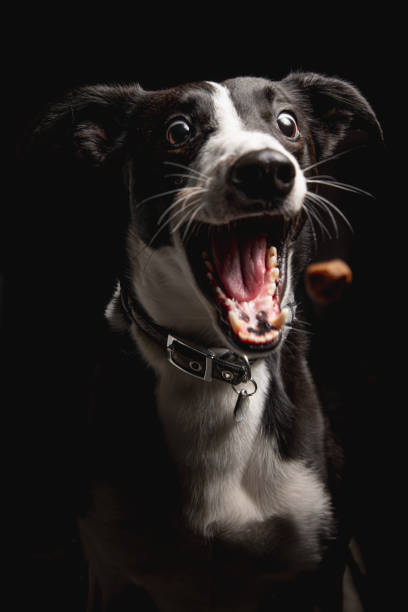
[[337, 109], [89, 124]]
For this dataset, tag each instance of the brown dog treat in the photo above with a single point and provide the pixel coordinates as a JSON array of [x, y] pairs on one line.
[[326, 280]]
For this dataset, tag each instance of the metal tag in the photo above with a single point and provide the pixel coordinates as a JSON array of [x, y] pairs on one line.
[[241, 405]]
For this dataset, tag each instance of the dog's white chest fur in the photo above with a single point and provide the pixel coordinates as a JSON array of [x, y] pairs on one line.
[[232, 474], [211, 449]]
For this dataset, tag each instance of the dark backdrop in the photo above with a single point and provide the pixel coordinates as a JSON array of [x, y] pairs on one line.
[[57, 273]]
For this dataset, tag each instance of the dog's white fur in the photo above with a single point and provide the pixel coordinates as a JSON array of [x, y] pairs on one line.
[[232, 140]]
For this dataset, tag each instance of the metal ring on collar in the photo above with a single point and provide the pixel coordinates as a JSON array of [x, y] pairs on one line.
[[247, 393]]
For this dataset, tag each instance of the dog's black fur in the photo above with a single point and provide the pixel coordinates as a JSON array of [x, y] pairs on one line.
[[139, 494]]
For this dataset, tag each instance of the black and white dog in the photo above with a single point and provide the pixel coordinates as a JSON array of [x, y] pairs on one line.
[[215, 475]]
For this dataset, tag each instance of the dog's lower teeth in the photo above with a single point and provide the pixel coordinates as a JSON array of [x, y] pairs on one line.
[[235, 321], [254, 339], [280, 320], [244, 318]]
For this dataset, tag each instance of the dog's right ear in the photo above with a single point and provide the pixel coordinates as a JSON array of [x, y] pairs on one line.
[[89, 124], [336, 108]]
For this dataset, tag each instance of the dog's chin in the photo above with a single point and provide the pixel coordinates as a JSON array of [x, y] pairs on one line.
[[241, 269]]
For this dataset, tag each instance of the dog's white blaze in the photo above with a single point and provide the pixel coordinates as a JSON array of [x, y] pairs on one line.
[[232, 140]]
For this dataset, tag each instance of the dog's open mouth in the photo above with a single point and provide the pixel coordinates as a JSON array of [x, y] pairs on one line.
[[241, 269]]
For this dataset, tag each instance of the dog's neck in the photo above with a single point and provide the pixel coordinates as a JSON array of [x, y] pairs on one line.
[[220, 460], [211, 449]]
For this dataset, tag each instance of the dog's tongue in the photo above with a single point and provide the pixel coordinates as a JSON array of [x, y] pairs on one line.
[[240, 262]]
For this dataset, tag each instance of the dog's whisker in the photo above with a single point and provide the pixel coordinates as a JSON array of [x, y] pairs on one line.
[[319, 199], [322, 225], [312, 202], [310, 218], [172, 217], [187, 215], [192, 191], [339, 185], [331, 157], [193, 215], [159, 195], [318, 219], [300, 330], [188, 168], [162, 227], [189, 176]]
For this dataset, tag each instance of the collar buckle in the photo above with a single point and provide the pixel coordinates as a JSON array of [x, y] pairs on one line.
[[189, 360]]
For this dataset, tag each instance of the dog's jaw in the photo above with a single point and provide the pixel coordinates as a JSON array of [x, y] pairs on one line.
[[163, 284]]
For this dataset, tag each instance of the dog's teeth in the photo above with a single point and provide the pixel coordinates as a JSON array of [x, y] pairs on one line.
[[272, 275], [244, 335], [208, 265], [271, 258], [254, 339], [270, 288], [280, 320], [221, 295], [287, 311], [235, 322]]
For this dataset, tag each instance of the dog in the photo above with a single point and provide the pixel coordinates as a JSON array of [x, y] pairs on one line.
[[216, 477]]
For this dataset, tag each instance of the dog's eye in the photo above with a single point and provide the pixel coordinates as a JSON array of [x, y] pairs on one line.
[[288, 126], [178, 133]]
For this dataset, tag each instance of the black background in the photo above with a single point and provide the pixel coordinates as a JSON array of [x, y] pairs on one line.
[[57, 275]]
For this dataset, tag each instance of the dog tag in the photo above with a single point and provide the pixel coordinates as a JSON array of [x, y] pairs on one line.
[[241, 405]]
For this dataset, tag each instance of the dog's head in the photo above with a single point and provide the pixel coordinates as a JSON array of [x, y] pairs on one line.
[[216, 181]]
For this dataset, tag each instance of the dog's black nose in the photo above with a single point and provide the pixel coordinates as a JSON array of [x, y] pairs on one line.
[[263, 175]]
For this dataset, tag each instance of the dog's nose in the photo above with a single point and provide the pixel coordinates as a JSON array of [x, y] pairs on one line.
[[263, 175]]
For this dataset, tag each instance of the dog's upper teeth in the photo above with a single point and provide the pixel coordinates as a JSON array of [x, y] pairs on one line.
[[272, 275], [271, 288], [271, 258], [221, 295]]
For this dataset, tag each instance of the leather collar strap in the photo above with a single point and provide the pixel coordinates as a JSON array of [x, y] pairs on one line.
[[198, 362]]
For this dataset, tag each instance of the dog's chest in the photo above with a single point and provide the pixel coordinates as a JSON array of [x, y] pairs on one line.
[[231, 472]]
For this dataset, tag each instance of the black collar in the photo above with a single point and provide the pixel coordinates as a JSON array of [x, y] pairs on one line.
[[196, 361]]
